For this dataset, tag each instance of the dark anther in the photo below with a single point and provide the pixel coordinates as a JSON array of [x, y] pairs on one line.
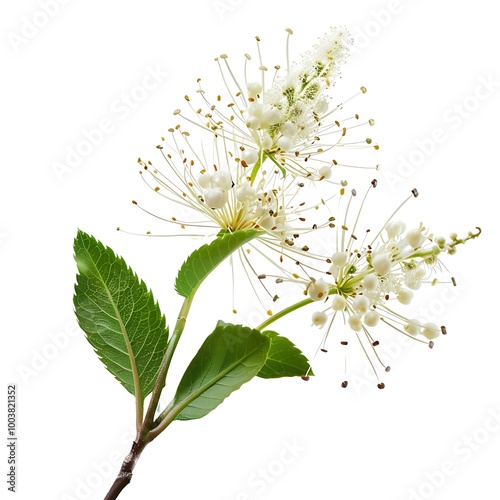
[[344, 342], [431, 344], [387, 369], [443, 330], [381, 385], [306, 378], [324, 350], [376, 343], [261, 276], [374, 183], [353, 192], [414, 192], [344, 384], [454, 281]]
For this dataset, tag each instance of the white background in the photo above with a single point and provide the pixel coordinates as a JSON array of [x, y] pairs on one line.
[[419, 59]]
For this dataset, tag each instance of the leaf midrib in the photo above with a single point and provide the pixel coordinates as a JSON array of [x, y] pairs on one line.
[[135, 373], [205, 387]]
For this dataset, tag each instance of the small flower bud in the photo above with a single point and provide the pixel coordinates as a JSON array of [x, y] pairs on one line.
[[256, 110], [355, 322], [272, 116], [412, 328], [395, 228], [339, 258], [216, 197], [430, 331], [319, 319], [381, 264], [221, 179], [371, 318], [253, 122], [250, 156], [440, 241], [338, 303], [318, 290], [370, 282], [204, 180], [414, 237], [405, 296], [321, 107], [361, 304], [325, 172]]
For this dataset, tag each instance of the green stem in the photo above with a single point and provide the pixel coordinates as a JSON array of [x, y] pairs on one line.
[[166, 417], [284, 312], [256, 168], [165, 364]]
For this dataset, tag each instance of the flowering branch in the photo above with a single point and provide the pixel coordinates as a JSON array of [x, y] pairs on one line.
[[264, 215]]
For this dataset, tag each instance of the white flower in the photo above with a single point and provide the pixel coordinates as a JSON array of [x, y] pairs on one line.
[[375, 276], [339, 302], [286, 119], [319, 319], [318, 290], [216, 192], [223, 194]]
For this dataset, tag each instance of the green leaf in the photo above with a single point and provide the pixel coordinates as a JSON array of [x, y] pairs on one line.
[[206, 258], [119, 315], [284, 359], [229, 357]]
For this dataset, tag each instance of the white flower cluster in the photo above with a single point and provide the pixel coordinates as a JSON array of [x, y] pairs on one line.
[[224, 195], [298, 101], [271, 147], [367, 285], [288, 121]]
